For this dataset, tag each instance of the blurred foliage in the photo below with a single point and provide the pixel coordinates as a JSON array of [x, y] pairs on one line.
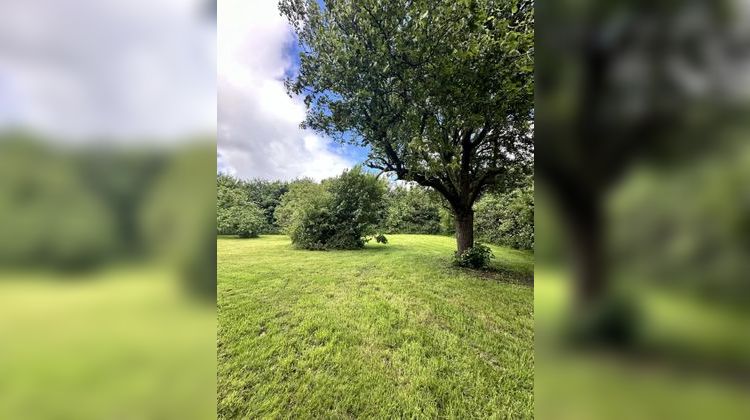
[[75, 209], [178, 217], [642, 164], [134, 227], [700, 247], [49, 216]]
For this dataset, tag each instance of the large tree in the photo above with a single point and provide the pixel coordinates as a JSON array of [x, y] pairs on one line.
[[440, 91], [619, 83]]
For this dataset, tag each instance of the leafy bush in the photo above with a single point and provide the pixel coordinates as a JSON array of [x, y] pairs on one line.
[[301, 194], [507, 219], [337, 214], [476, 257]]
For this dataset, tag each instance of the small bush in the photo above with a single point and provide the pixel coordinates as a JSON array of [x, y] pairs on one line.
[[476, 257]]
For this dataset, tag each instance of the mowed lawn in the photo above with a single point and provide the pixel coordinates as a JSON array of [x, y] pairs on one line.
[[390, 331]]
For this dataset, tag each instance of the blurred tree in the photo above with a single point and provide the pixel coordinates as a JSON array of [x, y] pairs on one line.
[[121, 179], [619, 82], [441, 92], [48, 215]]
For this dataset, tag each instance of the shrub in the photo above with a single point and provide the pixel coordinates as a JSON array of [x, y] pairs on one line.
[[476, 257], [337, 214], [302, 194]]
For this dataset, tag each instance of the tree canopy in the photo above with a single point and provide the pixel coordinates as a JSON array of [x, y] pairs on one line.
[[441, 92], [236, 214]]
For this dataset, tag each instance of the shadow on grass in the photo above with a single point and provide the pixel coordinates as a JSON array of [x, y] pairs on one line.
[[501, 274]]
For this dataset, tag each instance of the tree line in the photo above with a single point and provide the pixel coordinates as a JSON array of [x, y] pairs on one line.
[[74, 209], [345, 211]]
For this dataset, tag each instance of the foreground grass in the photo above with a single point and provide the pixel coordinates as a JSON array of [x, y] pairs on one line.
[[121, 343], [685, 342], [389, 331]]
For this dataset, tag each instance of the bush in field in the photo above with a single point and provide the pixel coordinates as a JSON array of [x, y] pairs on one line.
[[235, 214], [476, 257], [507, 219], [340, 213], [412, 210], [301, 194]]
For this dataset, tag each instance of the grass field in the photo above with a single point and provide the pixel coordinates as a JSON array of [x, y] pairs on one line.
[[121, 343], [390, 331], [688, 340]]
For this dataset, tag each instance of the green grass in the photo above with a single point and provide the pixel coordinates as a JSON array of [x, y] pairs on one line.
[[688, 337], [390, 331], [122, 343]]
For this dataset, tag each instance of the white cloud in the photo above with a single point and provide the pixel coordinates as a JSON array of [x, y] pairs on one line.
[[258, 124], [115, 68]]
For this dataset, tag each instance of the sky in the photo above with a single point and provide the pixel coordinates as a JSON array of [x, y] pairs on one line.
[[139, 71], [124, 70], [258, 133]]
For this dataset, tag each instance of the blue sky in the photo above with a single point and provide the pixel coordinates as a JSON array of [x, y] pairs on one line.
[[258, 132]]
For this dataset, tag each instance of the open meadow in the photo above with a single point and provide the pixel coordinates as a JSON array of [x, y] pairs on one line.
[[122, 342], [389, 331]]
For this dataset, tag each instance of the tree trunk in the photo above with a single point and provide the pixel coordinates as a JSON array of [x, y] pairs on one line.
[[589, 264], [464, 230], [588, 251]]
